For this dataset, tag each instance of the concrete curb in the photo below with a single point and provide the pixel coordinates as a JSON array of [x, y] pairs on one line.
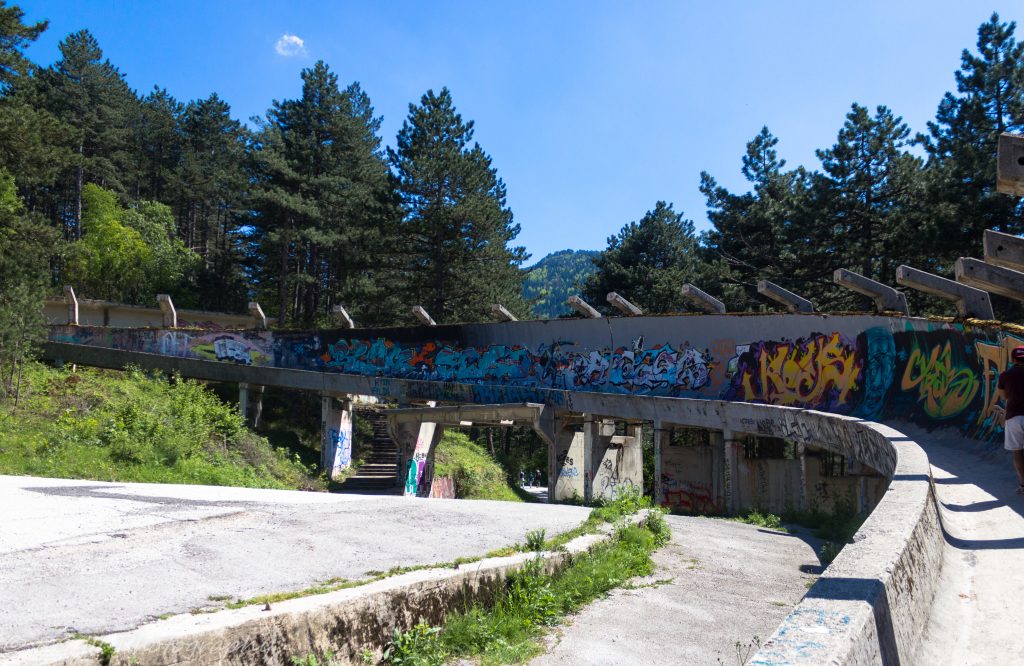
[[872, 603], [343, 622]]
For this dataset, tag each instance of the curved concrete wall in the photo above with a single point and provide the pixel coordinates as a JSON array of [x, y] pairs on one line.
[[710, 371]]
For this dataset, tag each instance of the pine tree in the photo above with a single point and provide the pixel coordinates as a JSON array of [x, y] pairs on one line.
[[648, 262], [456, 219]]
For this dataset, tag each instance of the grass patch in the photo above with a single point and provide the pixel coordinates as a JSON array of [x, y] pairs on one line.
[[130, 426], [475, 473], [107, 650], [510, 630], [761, 519]]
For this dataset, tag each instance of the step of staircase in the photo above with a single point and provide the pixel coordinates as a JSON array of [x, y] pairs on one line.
[[379, 473]]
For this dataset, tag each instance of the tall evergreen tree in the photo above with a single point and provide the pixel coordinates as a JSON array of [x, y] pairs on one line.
[[456, 220], [86, 91], [961, 143], [323, 192], [648, 262]]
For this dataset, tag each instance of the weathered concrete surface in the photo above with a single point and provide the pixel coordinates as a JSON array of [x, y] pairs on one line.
[[885, 297], [99, 557], [976, 616], [726, 582], [994, 279], [970, 302], [793, 302]]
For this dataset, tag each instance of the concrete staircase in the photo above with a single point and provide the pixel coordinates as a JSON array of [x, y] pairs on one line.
[[377, 475]]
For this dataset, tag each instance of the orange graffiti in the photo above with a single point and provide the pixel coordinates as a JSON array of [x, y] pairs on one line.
[[945, 391], [994, 358], [805, 373]]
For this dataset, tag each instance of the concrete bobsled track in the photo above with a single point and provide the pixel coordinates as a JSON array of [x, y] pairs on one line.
[[820, 380]]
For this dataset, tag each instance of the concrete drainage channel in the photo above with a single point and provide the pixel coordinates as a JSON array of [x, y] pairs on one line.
[[344, 622]]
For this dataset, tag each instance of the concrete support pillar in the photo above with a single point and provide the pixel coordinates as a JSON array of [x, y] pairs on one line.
[[583, 308], [259, 320], [801, 454], [501, 313], [660, 439], [341, 316], [566, 471], [703, 300], [243, 401], [167, 307], [718, 470], [970, 302], [423, 316], [335, 434], [250, 403], [885, 297], [72, 302], [730, 449], [623, 306], [417, 442], [792, 302], [1004, 250], [994, 279], [591, 426]]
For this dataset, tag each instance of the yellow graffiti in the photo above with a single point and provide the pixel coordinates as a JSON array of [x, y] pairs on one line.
[[805, 373], [945, 391], [994, 358]]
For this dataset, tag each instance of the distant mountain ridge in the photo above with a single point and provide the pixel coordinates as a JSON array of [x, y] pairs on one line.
[[555, 278]]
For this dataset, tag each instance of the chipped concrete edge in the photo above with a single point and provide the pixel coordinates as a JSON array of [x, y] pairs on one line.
[[871, 604], [344, 622]]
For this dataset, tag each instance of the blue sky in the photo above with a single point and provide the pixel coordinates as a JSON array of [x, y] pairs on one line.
[[592, 111]]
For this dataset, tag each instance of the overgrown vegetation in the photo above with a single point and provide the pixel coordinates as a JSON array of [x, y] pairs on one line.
[[475, 472], [105, 425], [836, 528], [509, 630]]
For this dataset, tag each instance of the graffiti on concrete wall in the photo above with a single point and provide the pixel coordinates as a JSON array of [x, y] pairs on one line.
[[612, 477], [936, 374], [688, 496]]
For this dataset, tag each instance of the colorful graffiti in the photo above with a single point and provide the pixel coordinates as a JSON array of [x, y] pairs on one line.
[[993, 359], [944, 388], [688, 496], [819, 371]]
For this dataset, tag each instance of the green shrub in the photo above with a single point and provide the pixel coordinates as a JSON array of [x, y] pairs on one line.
[[417, 647], [474, 471]]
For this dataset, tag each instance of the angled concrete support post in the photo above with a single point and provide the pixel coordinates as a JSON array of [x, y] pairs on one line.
[[623, 306], [335, 434], [994, 279], [501, 313], [792, 302], [703, 300], [583, 308], [72, 302], [1010, 164], [970, 302], [341, 316], [167, 307], [1004, 250], [259, 320], [421, 314], [886, 298]]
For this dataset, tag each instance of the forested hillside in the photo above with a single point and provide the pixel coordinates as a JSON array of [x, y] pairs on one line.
[[556, 277]]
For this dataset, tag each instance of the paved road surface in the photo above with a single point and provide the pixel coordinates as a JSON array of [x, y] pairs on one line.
[[977, 615], [717, 582], [100, 557]]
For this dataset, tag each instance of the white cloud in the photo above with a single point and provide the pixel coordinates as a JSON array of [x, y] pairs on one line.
[[290, 45]]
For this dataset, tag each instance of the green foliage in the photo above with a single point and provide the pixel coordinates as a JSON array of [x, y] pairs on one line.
[[132, 427], [417, 647], [535, 540], [550, 282], [761, 519], [648, 261], [313, 660], [457, 226], [476, 474]]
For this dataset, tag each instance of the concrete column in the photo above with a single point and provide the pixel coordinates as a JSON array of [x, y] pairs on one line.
[[623, 306], [718, 469], [792, 302], [885, 297], [660, 434], [591, 426], [72, 302], [335, 434], [501, 313], [703, 300], [566, 474], [801, 452], [732, 470], [341, 316], [423, 316], [167, 308], [250, 403], [243, 401], [259, 320], [970, 302], [583, 308]]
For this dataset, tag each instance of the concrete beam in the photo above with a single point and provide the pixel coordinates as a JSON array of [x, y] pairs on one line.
[[993, 279], [259, 320], [624, 306], [501, 313], [72, 302], [423, 316], [970, 302], [701, 299], [538, 416], [583, 308], [1004, 250], [341, 316], [1010, 164], [886, 298], [792, 302], [167, 308]]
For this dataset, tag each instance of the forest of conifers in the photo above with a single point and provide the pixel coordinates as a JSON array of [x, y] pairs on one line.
[[126, 194]]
